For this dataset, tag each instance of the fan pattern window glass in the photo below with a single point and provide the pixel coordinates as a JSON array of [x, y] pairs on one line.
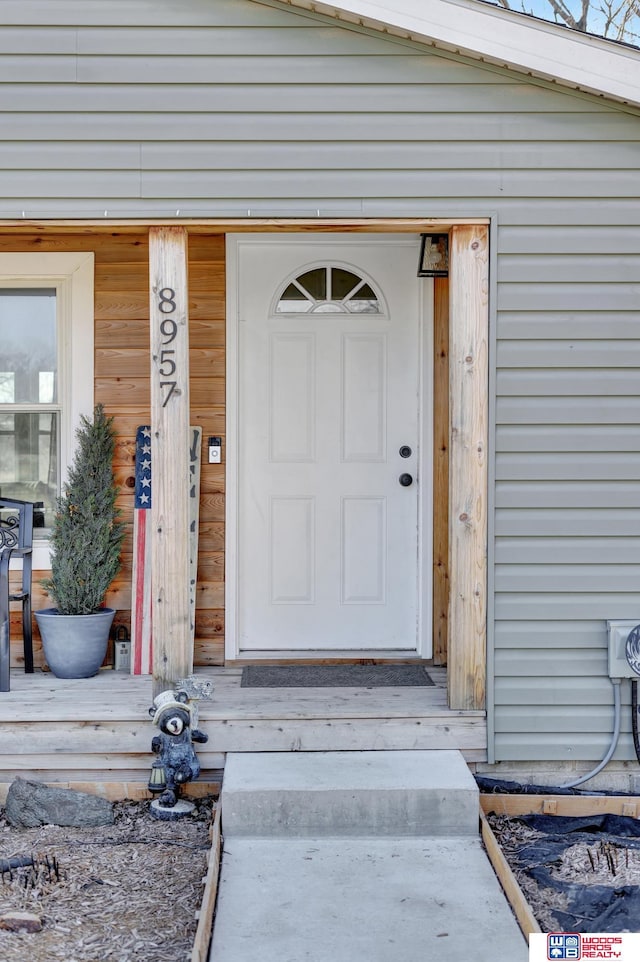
[[328, 290]]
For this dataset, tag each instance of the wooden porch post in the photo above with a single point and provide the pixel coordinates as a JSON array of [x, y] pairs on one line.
[[169, 323], [468, 354]]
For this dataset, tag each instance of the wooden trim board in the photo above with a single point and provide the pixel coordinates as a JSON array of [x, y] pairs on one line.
[[573, 805], [118, 791], [217, 225], [508, 881], [205, 915]]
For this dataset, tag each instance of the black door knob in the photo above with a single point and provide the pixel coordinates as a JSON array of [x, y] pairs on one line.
[[405, 480], [405, 451]]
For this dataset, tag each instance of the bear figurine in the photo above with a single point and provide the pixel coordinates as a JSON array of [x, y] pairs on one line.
[[172, 713]]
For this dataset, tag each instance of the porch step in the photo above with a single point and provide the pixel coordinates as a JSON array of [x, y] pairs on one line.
[[98, 729], [349, 794]]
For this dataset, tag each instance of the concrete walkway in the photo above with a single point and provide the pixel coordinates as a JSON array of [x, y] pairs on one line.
[[394, 871]]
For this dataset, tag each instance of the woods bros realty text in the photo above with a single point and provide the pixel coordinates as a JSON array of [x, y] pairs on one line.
[[572, 947]]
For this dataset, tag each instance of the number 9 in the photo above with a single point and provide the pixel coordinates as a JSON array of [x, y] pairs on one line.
[[168, 329]]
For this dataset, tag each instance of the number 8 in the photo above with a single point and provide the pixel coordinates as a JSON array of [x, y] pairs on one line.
[[167, 295]]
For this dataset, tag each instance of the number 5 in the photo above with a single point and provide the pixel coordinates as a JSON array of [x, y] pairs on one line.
[[167, 360]]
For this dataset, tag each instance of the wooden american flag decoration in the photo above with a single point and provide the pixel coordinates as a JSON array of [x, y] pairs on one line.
[[141, 624], [141, 635]]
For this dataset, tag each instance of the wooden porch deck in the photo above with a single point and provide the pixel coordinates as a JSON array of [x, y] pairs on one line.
[[99, 729]]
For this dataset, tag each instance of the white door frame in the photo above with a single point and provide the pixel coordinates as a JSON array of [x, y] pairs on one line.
[[425, 471]]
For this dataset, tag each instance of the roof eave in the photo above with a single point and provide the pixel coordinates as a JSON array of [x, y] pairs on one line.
[[496, 36]]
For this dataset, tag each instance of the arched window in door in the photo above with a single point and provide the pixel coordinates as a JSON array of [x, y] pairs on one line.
[[329, 289]]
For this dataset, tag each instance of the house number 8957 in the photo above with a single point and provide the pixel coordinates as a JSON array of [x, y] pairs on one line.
[[168, 330]]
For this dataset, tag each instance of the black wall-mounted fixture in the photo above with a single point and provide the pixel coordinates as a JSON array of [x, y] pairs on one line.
[[434, 256]]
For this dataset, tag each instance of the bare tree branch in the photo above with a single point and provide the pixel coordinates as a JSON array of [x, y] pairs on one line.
[[613, 19]]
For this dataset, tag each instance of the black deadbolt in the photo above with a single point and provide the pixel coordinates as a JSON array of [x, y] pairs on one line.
[[405, 480], [405, 451]]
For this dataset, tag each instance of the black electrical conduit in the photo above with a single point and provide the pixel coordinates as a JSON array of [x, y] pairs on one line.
[[634, 716], [632, 651]]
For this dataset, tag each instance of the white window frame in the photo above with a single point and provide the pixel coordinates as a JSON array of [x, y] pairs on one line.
[[340, 302], [72, 276]]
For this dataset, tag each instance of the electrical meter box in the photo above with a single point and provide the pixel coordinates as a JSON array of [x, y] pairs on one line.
[[619, 667]]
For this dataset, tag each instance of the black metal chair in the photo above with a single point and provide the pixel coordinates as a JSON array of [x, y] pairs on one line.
[[16, 541]]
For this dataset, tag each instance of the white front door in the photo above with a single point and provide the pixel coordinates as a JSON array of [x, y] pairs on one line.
[[328, 378]]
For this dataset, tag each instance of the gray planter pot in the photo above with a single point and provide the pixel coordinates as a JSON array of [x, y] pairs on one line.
[[74, 645]]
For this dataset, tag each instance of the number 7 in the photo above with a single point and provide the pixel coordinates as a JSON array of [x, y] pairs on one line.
[[172, 386]]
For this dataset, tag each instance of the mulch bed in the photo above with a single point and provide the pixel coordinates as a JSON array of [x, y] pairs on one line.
[[578, 874], [126, 892]]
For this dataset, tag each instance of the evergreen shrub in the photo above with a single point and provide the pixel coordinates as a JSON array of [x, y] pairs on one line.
[[87, 534]]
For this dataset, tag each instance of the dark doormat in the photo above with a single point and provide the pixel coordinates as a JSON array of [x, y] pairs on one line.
[[334, 676]]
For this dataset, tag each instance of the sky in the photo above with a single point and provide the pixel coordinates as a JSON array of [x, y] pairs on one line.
[[596, 22]]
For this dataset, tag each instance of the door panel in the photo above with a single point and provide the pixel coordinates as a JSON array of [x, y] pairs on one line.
[[364, 397], [327, 547]]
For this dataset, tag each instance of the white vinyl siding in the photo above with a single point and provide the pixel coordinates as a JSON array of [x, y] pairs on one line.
[[240, 108], [567, 469]]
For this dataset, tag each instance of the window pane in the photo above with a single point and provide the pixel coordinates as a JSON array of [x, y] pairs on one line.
[[293, 293], [342, 283], [365, 293], [7, 387], [315, 282], [348, 293], [364, 301], [294, 307], [328, 308], [28, 354], [29, 461], [358, 306]]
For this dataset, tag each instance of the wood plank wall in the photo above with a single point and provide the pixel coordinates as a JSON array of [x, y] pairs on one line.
[[122, 385]]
